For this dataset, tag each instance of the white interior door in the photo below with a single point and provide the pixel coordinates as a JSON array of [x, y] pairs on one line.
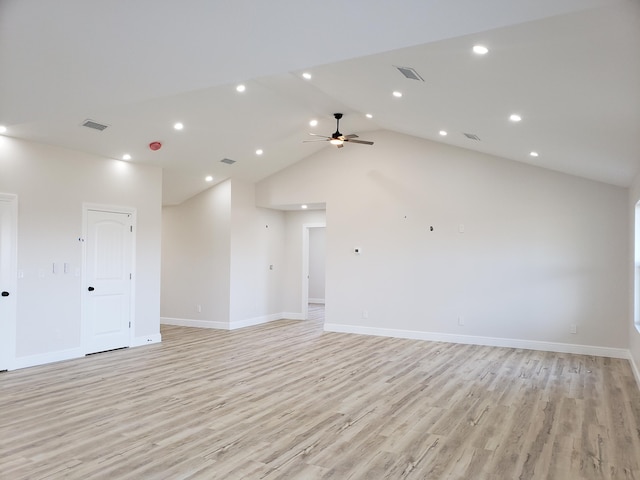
[[108, 278], [8, 265]]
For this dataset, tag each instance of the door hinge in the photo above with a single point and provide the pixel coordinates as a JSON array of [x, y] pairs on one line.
[[129, 276], [131, 228], [129, 324]]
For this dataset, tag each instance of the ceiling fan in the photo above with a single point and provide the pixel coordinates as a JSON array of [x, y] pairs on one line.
[[337, 138]]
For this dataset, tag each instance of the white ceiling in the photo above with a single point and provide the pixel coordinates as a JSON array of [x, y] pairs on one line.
[[571, 68]]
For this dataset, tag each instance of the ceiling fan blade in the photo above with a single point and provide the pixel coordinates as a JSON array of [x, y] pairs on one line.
[[340, 146], [352, 135], [364, 142], [316, 135], [311, 141]]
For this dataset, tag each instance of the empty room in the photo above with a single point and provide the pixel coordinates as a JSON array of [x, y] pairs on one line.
[[336, 240]]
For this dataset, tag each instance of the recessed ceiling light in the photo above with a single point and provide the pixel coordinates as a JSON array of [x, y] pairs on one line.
[[443, 133], [306, 76], [208, 178], [397, 94], [126, 156], [178, 126], [304, 207], [313, 123], [533, 154], [368, 115], [515, 117], [480, 49], [3, 129], [259, 151], [241, 88]]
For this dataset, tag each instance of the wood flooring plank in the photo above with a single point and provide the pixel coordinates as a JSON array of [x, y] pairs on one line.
[[286, 400]]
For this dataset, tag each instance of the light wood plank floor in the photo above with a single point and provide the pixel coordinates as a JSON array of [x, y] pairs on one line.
[[288, 401]]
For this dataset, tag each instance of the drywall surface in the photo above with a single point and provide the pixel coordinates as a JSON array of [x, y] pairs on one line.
[[459, 243], [196, 259], [257, 258], [222, 259]]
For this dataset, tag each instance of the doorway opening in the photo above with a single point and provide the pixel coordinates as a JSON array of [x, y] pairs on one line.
[[313, 270]]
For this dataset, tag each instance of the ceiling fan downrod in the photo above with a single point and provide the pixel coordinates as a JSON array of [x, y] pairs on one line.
[[337, 133]]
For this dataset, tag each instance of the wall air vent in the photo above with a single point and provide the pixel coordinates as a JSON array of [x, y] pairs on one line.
[[472, 136], [228, 161], [410, 73], [94, 125]]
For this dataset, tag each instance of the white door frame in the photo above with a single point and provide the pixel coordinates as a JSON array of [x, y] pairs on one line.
[[8, 326], [305, 266], [132, 301]]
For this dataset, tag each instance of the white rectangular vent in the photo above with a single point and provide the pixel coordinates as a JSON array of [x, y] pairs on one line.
[[94, 125], [228, 161], [472, 136], [410, 73]]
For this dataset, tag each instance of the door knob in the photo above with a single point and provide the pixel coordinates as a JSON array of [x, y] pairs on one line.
[[91, 289], [5, 294]]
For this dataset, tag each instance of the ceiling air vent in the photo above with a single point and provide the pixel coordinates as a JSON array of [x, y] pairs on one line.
[[472, 136], [228, 161], [410, 73], [94, 125]]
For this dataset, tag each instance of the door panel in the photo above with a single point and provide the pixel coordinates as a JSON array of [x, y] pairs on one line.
[[8, 261], [108, 267]]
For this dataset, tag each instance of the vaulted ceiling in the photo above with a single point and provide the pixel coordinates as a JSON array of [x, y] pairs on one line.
[[569, 68]]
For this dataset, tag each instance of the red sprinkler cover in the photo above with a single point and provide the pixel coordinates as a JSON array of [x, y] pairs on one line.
[[155, 146]]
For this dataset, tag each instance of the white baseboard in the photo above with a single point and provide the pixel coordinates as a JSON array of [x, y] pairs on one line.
[[250, 322], [146, 340], [247, 322], [635, 368], [188, 322], [489, 341], [44, 358], [70, 354], [317, 300]]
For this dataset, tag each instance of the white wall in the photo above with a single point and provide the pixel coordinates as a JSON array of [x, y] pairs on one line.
[[217, 251], [540, 251], [257, 259], [196, 259], [52, 184], [317, 247]]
